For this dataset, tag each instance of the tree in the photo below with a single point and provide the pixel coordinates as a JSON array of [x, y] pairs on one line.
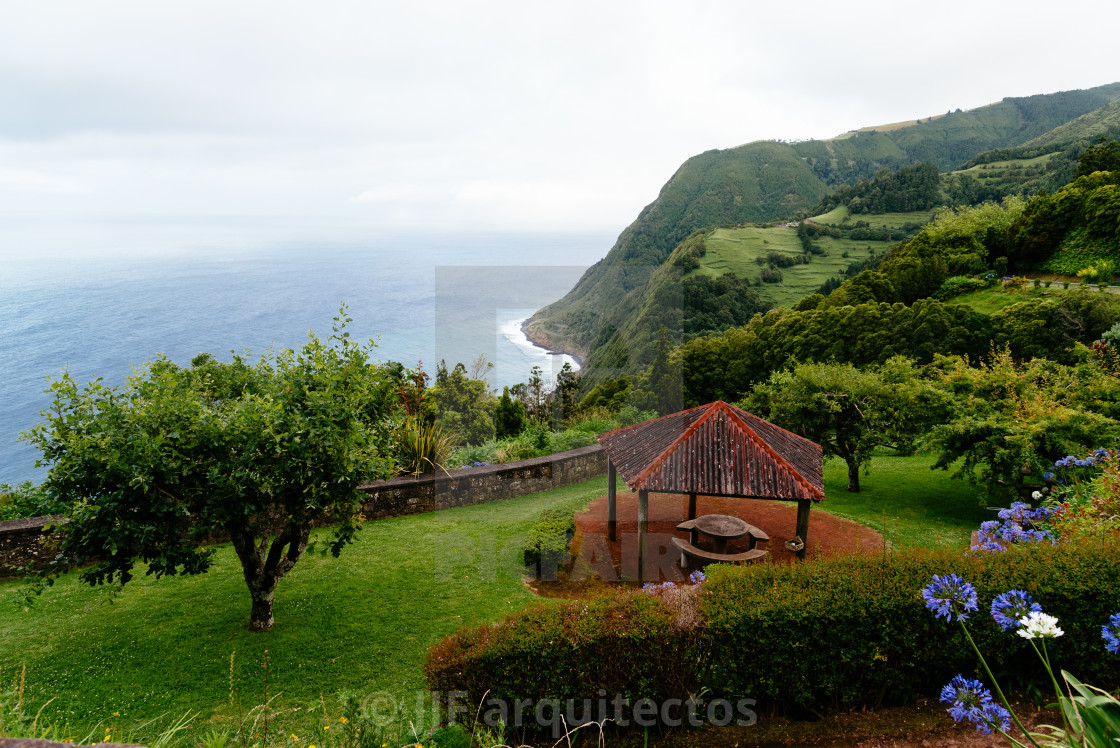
[[1012, 420], [463, 404], [259, 453], [509, 416], [847, 411]]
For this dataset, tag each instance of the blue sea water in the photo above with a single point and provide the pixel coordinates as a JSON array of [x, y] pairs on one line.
[[100, 298]]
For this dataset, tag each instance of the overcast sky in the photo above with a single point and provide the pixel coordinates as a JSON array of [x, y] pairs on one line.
[[487, 115]]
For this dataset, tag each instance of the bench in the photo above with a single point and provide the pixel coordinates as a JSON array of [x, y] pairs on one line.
[[688, 550], [756, 535]]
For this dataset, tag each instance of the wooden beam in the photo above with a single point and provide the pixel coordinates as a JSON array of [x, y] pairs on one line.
[[692, 506], [612, 504], [803, 507], [643, 526]]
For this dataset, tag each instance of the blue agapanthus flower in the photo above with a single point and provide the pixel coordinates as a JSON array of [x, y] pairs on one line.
[[1012, 605], [968, 699], [949, 593], [1111, 634], [696, 577]]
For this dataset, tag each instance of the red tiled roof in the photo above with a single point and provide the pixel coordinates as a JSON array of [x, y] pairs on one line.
[[717, 450]]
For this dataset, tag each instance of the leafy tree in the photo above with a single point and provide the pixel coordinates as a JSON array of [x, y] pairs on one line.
[[1104, 156], [258, 452], [565, 395], [509, 416], [610, 394], [1011, 420], [463, 405], [847, 411]]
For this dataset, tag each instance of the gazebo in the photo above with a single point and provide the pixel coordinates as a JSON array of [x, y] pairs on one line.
[[713, 450]]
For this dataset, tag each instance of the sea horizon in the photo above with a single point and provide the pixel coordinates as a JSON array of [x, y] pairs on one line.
[[101, 298]]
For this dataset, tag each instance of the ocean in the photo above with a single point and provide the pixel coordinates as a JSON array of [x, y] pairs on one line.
[[100, 298]]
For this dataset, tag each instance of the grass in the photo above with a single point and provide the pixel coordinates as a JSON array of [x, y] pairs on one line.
[[991, 300], [735, 250], [362, 622], [906, 502]]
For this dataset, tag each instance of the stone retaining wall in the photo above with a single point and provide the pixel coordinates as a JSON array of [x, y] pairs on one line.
[[23, 541], [427, 493]]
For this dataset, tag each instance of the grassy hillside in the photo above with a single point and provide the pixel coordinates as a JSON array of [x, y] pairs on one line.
[[630, 327], [1088, 127], [766, 180]]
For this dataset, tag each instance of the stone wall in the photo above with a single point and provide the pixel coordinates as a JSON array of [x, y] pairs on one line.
[[469, 486], [23, 541]]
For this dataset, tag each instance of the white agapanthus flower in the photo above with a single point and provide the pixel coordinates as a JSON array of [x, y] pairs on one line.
[[1036, 495], [1038, 625]]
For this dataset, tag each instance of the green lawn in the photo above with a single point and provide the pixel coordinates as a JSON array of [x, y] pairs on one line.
[[906, 502], [361, 622], [990, 300]]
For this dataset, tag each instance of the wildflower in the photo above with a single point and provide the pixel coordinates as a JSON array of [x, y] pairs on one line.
[[1111, 634], [326, 727], [116, 714], [343, 720], [1038, 625], [968, 699], [948, 593], [1011, 606], [696, 577]]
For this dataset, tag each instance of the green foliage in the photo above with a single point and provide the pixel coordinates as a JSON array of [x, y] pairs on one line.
[[659, 386], [609, 393], [847, 411], [910, 188], [957, 285], [546, 545], [725, 367], [258, 453], [509, 416], [28, 500], [1077, 251], [1104, 156], [625, 644], [421, 447], [1013, 420], [464, 406], [844, 633]]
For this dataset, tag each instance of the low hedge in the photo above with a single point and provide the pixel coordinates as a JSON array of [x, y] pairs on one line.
[[626, 643], [815, 637], [850, 632], [547, 545]]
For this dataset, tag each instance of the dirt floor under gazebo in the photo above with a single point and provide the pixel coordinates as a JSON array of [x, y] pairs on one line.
[[828, 535]]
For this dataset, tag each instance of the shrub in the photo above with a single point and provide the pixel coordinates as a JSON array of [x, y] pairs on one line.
[[28, 500], [622, 643], [421, 447], [848, 632], [546, 546], [770, 275], [957, 285]]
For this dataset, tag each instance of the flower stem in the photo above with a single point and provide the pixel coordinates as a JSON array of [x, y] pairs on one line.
[[995, 685]]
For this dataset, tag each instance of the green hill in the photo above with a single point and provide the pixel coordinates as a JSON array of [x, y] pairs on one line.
[[766, 180]]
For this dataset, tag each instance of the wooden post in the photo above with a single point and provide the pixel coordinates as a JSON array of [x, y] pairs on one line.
[[643, 525], [612, 505], [692, 506], [803, 507]]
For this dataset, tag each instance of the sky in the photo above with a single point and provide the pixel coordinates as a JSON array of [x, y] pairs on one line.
[[505, 116]]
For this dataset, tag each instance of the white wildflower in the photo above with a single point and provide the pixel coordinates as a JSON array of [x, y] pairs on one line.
[[1036, 495], [1038, 625]]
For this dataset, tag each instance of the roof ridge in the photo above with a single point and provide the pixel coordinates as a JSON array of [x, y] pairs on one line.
[[753, 435], [656, 462]]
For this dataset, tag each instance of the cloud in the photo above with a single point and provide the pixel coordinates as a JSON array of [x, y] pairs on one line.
[[15, 180]]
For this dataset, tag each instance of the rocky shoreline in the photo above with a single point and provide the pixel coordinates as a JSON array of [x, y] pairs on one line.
[[542, 340]]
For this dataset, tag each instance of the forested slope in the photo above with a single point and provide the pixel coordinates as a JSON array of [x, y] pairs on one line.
[[765, 180]]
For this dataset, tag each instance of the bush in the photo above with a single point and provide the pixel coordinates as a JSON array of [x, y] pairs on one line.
[[851, 632], [621, 643], [548, 542], [27, 500], [957, 285], [770, 275]]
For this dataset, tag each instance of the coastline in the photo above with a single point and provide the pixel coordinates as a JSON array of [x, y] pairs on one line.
[[542, 342]]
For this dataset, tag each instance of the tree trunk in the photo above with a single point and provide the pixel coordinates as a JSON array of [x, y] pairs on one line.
[[853, 476], [260, 618], [265, 563]]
